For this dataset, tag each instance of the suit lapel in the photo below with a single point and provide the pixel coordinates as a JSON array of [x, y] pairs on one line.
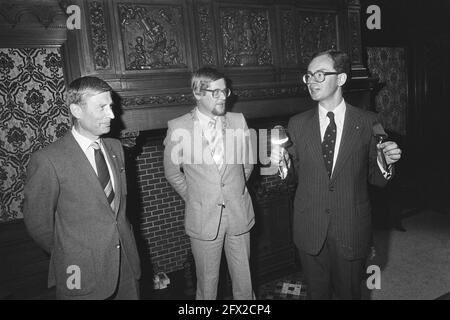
[[113, 160], [84, 167], [313, 138], [225, 125], [350, 136]]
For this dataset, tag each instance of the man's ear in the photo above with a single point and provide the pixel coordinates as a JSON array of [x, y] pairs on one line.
[[75, 109], [342, 79], [198, 95]]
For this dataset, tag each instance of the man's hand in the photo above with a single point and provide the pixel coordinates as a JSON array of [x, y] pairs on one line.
[[391, 151], [275, 155]]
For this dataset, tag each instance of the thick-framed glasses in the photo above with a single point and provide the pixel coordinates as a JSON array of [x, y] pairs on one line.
[[216, 93], [319, 76]]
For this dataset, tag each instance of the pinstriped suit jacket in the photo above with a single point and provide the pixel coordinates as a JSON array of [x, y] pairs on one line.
[[338, 207]]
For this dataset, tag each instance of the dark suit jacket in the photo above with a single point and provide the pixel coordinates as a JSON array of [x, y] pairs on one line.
[[68, 215], [338, 206]]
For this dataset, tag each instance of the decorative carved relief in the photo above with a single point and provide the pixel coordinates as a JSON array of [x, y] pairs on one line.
[[187, 99], [157, 100], [317, 32], [288, 38], [100, 46], [246, 37], [207, 43], [128, 138], [353, 2], [152, 36], [279, 92], [48, 14], [355, 37]]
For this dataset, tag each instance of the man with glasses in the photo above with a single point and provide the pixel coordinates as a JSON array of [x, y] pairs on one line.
[[336, 155], [219, 212]]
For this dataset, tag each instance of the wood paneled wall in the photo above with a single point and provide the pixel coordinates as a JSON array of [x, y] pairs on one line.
[[147, 50]]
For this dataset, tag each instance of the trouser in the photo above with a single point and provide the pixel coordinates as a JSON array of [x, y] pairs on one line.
[[207, 255], [329, 274]]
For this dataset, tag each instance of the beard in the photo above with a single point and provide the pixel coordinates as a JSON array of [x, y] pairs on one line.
[[219, 110]]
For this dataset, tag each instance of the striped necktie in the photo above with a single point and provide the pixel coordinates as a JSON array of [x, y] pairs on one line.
[[216, 143], [103, 173]]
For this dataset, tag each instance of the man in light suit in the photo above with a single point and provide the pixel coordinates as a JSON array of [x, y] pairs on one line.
[[219, 212], [335, 155], [75, 202]]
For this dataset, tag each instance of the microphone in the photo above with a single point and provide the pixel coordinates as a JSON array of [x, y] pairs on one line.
[[282, 136], [381, 136], [379, 133], [279, 140]]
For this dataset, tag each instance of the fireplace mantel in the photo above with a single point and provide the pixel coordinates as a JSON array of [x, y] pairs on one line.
[[147, 50]]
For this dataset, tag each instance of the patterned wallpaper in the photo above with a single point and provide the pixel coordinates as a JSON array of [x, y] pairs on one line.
[[389, 65], [32, 115]]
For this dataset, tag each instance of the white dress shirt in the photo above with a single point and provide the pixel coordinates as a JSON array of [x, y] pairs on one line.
[[204, 125], [339, 119], [86, 145]]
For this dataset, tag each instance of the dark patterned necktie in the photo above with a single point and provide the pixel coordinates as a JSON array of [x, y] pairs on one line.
[[103, 173], [328, 143]]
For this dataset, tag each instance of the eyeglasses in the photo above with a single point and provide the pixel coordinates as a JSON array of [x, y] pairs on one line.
[[319, 76], [216, 93]]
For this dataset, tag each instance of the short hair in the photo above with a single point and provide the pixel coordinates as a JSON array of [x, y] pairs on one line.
[[201, 79], [83, 87], [341, 61]]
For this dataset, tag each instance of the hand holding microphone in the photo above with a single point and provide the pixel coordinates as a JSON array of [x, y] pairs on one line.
[[388, 151], [278, 155]]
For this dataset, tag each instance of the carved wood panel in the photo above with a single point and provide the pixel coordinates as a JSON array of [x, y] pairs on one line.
[[317, 32], [245, 36], [152, 36], [101, 49], [289, 37], [208, 47], [355, 37], [260, 45]]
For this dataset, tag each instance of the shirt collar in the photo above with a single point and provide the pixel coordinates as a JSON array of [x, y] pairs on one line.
[[84, 142], [339, 111], [203, 118]]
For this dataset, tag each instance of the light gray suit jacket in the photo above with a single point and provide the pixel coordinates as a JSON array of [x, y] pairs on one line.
[[199, 181], [66, 212]]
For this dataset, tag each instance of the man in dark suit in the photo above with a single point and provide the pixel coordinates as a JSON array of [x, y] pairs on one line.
[[75, 201], [335, 155]]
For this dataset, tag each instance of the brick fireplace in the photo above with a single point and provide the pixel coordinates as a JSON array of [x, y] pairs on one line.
[[161, 211]]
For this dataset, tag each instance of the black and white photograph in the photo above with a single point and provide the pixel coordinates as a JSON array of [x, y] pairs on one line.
[[198, 152]]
